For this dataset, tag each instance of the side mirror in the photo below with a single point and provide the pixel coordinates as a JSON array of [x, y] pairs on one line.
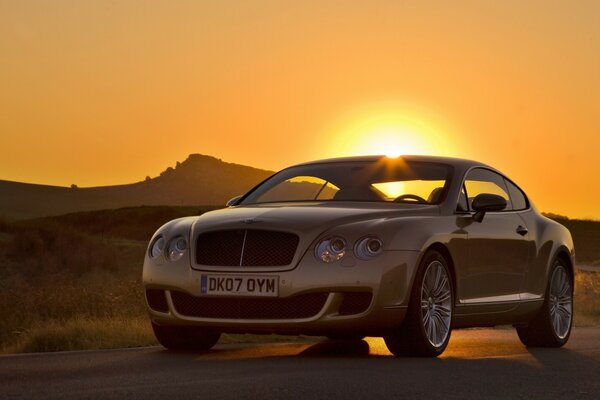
[[233, 201], [486, 202]]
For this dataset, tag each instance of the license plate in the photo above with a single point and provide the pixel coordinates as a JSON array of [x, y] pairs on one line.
[[239, 285]]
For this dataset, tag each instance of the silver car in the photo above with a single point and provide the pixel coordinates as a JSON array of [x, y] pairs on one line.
[[404, 248]]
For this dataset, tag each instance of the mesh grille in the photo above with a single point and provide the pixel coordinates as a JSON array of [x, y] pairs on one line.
[[269, 248], [355, 303], [157, 300], [220, 248], [301, 306], [260, 248]]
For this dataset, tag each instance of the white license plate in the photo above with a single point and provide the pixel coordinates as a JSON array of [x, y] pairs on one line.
[[239, 285]]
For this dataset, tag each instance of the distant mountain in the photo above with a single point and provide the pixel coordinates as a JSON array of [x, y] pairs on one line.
[[199, 180]]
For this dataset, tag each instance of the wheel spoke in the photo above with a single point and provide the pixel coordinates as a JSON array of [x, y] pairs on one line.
[[441, 288], [426, 317], [431, 330], [563, 312], [437, 275], [443, 297], [441, 320], [438, 278], [425, 292], [436, 330], [446, 324], [556, 320], [443, 311], [565, 299]]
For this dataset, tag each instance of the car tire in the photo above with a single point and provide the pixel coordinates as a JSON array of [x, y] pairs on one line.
[[551, 327], [425, 331], [185, 338]]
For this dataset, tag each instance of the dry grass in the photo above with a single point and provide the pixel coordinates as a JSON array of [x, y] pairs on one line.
[[587, 299], [83, 334], [56, 280]]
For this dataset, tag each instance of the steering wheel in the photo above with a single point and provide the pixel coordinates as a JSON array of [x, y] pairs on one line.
[[409, 196]]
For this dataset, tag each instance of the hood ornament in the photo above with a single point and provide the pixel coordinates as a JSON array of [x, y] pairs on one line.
[[250, 221]]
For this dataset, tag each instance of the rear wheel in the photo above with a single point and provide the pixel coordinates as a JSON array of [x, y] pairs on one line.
[[425, 331], [185, 338], [551, 327]]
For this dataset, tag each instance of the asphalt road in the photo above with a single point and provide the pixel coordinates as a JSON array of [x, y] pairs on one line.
[[478, 364]]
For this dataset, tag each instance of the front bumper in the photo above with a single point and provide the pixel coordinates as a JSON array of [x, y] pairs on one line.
[[388, 278]]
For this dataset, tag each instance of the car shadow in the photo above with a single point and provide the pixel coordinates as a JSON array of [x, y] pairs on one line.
[[338, 348]]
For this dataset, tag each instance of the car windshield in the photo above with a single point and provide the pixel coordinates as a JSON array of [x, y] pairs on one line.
[[384, 180]]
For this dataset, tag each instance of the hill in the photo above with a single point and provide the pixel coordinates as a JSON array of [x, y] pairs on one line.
[[199, 180]]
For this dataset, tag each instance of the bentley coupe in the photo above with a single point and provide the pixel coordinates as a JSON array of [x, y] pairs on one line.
[[404, 248]]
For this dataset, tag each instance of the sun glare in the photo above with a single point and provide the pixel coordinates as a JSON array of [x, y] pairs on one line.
[[391, 141], [390, 130], [391, 190]]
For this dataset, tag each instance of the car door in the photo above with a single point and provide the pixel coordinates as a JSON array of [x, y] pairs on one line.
[[497, 247]]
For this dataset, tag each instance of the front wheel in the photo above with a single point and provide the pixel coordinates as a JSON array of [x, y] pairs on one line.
[[425, 331], [551, 327], [185, 338]]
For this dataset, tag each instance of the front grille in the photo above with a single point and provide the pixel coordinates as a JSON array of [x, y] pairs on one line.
[[246, 248], [355, 303], [301, 306], [157, 300]]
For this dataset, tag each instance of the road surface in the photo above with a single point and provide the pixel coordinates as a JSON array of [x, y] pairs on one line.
[[478, 364]]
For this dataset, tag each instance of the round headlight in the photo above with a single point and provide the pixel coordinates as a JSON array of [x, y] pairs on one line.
[[368, 247], [158, 247], [177, 248], [330, 249]]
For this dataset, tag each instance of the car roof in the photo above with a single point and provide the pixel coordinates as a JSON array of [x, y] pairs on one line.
[[456, 162]]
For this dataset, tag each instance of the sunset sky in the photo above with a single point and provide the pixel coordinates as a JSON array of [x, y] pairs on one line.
[[107, 92]]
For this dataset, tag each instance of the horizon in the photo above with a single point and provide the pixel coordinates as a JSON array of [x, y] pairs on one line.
[[548, 213], [105, 93]]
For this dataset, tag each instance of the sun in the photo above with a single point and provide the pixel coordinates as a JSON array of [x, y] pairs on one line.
[[391, 141], [388, 130]]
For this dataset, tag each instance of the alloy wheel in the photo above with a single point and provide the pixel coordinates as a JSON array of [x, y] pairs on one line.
[[561, 302], [436, 303]]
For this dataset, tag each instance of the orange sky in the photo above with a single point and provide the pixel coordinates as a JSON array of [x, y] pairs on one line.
[[106, 92]]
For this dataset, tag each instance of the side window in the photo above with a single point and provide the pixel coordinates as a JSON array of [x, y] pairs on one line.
[[482, 180], [517, 197]]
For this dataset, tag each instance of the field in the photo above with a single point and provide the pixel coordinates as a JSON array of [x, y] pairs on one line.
[[74, 281]]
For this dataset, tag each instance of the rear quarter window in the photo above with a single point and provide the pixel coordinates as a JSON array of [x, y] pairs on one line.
[[517, 197]]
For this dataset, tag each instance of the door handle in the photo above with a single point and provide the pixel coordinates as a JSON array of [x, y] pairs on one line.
[[521, 230]]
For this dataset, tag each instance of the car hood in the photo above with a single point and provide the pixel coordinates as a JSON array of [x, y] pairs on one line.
[[309, 221], [305, 218]]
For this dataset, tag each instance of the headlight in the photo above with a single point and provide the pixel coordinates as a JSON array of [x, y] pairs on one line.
[[330, 249], [177, 248], [368, 247], [158, 247]]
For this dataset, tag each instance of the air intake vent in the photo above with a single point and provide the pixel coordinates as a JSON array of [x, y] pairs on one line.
[[157, 300], [296, 307], [355, 303]]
